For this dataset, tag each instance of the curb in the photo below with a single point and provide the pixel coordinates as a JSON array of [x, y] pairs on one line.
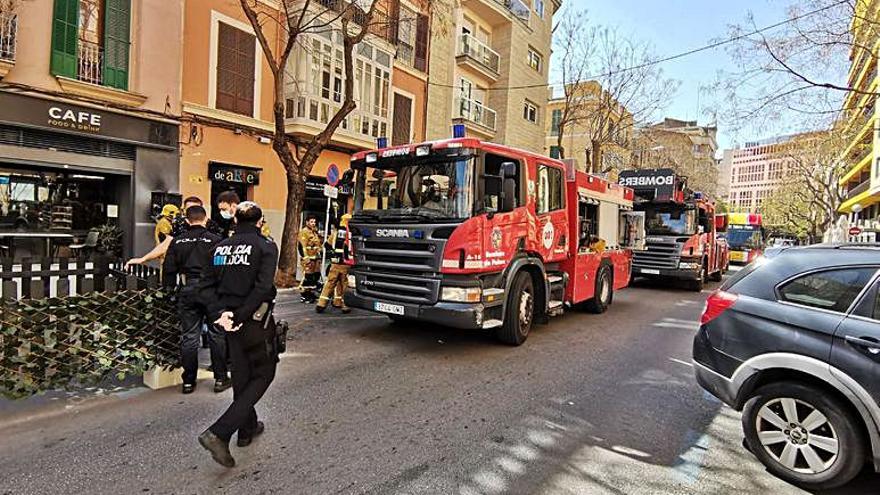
[[65, 407]]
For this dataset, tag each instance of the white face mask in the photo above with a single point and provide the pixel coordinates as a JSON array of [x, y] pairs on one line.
[[226, 215]]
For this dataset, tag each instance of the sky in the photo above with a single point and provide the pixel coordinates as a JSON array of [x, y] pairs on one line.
[[675, 26]]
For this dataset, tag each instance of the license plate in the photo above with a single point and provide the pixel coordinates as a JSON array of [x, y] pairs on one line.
[[737, 255], [394, 309], [650, 271]]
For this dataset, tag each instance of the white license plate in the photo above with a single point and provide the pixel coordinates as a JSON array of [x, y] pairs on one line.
[[394, 309], [650, 271]]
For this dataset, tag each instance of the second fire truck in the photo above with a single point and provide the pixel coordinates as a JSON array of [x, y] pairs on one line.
[[475, 235], [681, 239]]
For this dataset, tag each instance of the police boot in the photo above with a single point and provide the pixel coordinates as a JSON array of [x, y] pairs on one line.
[[345, 309], [218, 448]]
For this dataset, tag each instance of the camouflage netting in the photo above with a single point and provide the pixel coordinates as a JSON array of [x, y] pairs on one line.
[[53, 343]]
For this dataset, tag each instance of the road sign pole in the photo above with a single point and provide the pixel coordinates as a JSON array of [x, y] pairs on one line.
[[326, 230]]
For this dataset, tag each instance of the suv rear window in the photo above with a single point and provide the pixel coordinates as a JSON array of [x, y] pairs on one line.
[[833, 290]]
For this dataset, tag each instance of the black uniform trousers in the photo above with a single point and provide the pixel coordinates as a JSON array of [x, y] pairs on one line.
[[253, 368], [192, 317]]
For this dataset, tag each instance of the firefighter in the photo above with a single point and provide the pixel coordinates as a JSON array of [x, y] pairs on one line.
[[309, 259], [186, 260], [238, 290], [337, 278], [165, 223]]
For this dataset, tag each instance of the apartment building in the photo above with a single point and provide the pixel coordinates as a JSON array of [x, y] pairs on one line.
[[390, 86], [89, 103], [599, 131], [684, 146], [496, 81], [862, 157], [756, 170]]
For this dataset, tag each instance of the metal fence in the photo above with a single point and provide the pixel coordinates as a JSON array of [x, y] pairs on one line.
[[8, 34]]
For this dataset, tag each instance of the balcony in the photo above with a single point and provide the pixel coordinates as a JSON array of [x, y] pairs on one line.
[[859, 189], [476, 54], [518, 8], [473, 112], [90, 62], [8, 32], [307, 115]]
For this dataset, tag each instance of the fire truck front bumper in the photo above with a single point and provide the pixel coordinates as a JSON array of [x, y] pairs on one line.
[[467, 316]]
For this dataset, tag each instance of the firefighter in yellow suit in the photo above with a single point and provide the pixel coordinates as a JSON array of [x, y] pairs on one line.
[[337, 278], [309, 259]]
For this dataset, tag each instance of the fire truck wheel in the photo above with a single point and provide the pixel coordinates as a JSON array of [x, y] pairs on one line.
[[718, 275], [520, 310], [603, 294], [697, 285]]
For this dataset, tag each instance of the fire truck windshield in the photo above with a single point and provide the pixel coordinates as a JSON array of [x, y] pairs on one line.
[[672, 220], [428, 189]]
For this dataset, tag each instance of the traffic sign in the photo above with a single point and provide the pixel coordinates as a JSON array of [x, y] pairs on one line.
[[855, 231], [333, 174], [331, 192]]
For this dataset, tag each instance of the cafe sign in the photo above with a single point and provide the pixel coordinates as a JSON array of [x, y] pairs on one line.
[[78, 120], [223, 172]]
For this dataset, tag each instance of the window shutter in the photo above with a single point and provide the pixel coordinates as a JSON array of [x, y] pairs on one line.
[[117, 31], [400, 131], [225, 68], [245, 81], [421, 58], [65, 28], [236, 60]]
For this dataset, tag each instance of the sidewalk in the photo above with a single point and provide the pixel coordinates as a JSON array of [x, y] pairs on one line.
[[301, 318]]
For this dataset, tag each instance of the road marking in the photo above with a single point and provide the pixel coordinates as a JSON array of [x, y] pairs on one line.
[[691, 463], [679, 361]]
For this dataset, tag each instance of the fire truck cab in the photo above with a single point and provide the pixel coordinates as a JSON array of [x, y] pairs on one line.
[[476, 235], [681, 241]]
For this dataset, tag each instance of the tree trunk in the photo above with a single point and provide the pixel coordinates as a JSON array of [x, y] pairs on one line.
[[296, 194], [559, 146]]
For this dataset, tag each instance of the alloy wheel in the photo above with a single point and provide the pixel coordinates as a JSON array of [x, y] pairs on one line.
[[525, 309], [797, 435]]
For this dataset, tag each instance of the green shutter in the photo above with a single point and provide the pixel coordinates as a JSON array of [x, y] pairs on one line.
[[117, 28], [65, 28]]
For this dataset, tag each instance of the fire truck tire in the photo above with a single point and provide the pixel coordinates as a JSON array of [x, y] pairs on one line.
[[717, 276], [604, 293], [698, 284], [520, 311]]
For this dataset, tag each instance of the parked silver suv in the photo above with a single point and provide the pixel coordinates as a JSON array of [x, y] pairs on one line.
[[793, 342]]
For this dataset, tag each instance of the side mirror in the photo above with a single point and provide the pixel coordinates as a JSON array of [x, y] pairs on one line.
[[508, 170], [508, 195]]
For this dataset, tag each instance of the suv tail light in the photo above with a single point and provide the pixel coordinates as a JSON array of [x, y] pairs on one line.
[[717, 303]]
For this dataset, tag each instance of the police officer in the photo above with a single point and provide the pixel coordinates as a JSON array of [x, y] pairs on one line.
[[178, 228], [337, 278], [185, 262], [309, 259], [238, 290]]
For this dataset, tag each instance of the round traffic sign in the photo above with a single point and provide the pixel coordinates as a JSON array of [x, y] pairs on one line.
[[855, 231], [333, 174]]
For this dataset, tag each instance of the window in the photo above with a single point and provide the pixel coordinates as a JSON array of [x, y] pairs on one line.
[[236, 60], [492, 195], [91, 41], [406, 35], [530, 112], [555, 120], [401, 128], [834, 290], [535, 60], [554, 152], [539, 8], [549, 189]]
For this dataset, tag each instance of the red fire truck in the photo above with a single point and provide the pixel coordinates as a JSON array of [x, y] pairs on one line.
[[680, 224], [476, 235]]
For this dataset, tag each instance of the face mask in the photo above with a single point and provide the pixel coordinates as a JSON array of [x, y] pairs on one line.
[[226, 215]]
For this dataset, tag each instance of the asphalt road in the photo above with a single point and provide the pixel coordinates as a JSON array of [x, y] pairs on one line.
[[590, 404]]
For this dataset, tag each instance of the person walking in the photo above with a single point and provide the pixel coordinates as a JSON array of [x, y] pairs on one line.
[[309, 259], [186, 260], [337, 278], [238, 290]]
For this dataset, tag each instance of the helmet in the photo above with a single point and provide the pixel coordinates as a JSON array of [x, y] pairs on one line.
[[343, 222], [170, 210]]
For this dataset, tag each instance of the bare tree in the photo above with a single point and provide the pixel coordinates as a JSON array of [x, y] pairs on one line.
[[795, 71], [807, 202], [355, 21], [610, 85]]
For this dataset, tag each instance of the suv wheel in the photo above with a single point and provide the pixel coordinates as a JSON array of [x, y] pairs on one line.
[[803, 435]]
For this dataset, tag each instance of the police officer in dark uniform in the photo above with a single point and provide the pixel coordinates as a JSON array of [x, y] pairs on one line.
[[239, 290], [185, 262]]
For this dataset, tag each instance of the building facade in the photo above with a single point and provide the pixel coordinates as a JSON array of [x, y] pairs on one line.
[[599, 130], [89, 103], [489, 66], [756, 170], [684, 146], [861, 182]]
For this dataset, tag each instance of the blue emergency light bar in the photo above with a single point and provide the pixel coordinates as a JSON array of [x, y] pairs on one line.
[[458, 131], [382, 142]]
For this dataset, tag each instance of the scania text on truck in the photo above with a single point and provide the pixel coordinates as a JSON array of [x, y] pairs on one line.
[[681, 240], [476, 235], [745, 236]]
